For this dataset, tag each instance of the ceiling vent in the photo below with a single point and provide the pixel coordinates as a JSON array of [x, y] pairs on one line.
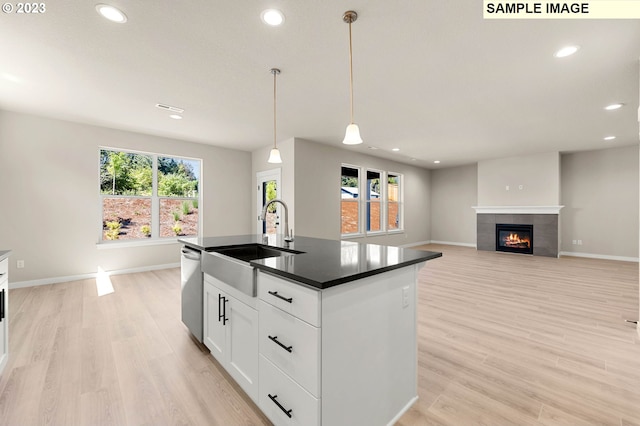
[[170, 108]]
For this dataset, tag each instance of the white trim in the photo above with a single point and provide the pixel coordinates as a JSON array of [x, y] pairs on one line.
[[55, 280], [517, 209], [104, 245], [416, 244], [599, 256], [452, 243]]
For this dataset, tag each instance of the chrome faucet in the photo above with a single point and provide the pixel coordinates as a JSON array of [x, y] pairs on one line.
[[288, 235]]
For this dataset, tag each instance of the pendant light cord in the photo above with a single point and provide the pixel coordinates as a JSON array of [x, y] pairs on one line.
[[350, 72], [274, 110]]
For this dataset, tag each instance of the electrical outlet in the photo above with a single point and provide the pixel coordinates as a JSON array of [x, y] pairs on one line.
[[521, 187], [579, 242], [575, 242], [405, 297], [20, 264], [507, 188]]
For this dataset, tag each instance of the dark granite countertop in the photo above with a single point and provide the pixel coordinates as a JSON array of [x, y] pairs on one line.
[[322, 263], [4, 254]]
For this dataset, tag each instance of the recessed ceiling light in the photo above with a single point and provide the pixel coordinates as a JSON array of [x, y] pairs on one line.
[[436, 162], [111, 13], [272, 17], [176, 116], [413, 159], [609, 138], [566, 51], [395, 149], [373, 148], [613, 106]]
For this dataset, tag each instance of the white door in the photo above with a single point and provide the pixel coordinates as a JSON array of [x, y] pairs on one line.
[[242, 346], [268, 188], [215, 303]]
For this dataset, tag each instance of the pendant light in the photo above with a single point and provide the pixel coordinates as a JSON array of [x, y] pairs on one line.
[[274, 155], [352, 135]]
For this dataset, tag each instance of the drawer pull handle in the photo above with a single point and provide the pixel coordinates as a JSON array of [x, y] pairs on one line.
[[286, 299], [275, 340], [273, 398]]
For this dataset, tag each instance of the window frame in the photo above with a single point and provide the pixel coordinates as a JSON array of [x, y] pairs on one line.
[[400, 201], [358, 202], [155, 238], [363, 202]]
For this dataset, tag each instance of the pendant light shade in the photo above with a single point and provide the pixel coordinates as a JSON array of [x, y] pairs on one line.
[[352, 134], [274, 155]]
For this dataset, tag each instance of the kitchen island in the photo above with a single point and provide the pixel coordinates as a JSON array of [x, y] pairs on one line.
[[328, 337]]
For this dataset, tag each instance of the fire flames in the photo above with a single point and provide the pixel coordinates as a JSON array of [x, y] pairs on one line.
[[514, 240]]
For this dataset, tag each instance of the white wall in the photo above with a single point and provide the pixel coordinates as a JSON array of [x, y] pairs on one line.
[[454, 191], [317, 193], [50, 211], [538, 174], [600, 194]]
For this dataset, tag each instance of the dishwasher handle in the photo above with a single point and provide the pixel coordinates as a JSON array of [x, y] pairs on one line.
[[190, 253]]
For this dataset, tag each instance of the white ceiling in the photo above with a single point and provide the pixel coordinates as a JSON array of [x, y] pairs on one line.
[[430, 77]]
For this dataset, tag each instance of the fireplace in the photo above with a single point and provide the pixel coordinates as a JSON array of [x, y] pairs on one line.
[[514, 238]]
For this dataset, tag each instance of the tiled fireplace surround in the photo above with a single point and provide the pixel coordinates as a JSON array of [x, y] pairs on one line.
[[545, 227]]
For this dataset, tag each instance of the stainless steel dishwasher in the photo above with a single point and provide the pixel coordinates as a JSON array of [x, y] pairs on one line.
[[191, 282]]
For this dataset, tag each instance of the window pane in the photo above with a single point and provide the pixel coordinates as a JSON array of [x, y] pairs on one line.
[[178, 217], [126, 218], [374, 219], [393, 216], [350, 179], [393, 195], [125, 173], [269, 192], [349, 217], [178, 177]]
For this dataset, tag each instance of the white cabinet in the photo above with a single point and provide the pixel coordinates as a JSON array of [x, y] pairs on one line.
[[289, 352], [231, 333], [4, 313], [345, 355]]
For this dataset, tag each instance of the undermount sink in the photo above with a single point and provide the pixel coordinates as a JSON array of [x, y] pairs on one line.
[[231, 264], [251, 252]]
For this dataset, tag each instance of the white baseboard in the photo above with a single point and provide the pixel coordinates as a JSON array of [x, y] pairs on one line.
[[417, 243], [452, 243], [599, 256], [55, 280]]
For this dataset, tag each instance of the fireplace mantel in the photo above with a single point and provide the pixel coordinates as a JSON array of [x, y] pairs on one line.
[[517, 209]]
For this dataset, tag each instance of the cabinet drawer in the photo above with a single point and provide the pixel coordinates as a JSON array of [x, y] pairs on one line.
[[275, 386], [4, 269], [296, 299], [292, 345]]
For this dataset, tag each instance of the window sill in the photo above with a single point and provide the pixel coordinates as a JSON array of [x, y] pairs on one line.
[[349, 236], [137, 243]]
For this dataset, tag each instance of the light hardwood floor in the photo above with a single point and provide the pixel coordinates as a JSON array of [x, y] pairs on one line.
[[502, 340]]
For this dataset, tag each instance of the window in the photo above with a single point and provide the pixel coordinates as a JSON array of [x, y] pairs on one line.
[[350, 211], [368, 205], [148, 196], [374, 199], [394, 212]]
